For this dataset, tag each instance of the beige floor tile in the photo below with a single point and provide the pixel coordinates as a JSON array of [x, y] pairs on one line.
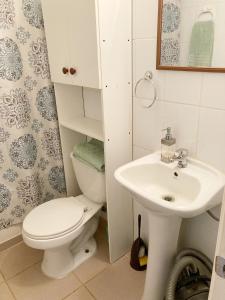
[[5, 293], [81, 294], [95, 264], [33, 284], [1, 278], [18, 258], [118, 282]]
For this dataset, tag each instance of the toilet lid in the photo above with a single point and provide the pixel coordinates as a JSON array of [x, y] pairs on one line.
[[54, 218]]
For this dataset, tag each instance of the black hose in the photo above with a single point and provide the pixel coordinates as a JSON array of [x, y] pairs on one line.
[[185, 258], [198, 255]]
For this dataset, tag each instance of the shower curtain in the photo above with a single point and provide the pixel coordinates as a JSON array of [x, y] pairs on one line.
[[31, 168], [170, 44]]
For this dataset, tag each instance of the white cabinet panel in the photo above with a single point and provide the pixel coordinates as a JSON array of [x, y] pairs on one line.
[[87, 126], [76, 30], [73, 42], [115, 30], [84, 43], [55, 27], [217, 288]]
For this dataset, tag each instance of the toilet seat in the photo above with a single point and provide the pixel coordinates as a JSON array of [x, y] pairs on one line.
[[54, 219]]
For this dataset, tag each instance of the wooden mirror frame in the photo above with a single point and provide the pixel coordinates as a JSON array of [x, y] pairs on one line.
[[174, 68]]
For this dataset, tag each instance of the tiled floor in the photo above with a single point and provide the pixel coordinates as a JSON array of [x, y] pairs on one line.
[[21, 277]]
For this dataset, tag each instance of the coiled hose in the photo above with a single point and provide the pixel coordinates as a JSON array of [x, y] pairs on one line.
[[196, 254], [185, 258]]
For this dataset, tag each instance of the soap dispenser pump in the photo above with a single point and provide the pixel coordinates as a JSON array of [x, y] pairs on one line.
[[168, 146]]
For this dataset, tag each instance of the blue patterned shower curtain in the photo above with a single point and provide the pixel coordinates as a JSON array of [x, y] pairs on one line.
[[31, 168]]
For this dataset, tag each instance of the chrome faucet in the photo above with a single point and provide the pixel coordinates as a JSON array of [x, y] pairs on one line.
[[181, 156]]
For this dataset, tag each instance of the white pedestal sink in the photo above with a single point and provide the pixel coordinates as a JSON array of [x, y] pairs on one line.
[[169, 194]]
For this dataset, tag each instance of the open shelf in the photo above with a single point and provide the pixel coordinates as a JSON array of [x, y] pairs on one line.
[[86, 126]]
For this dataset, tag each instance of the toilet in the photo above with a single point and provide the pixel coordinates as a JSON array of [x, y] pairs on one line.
[[64, 227]]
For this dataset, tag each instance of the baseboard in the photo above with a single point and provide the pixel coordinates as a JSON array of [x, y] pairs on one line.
[[10, 236]]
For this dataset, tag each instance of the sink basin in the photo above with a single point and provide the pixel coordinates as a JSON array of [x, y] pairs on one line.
[[169, 190], [168, 194]]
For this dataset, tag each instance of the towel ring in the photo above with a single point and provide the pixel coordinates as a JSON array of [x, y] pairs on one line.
[[206, 11], [149, 78]]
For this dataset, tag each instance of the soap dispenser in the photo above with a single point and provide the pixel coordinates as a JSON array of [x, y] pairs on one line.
[[168, 146]]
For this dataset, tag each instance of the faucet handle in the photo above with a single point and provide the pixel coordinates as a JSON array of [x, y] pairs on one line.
[[181, 153]]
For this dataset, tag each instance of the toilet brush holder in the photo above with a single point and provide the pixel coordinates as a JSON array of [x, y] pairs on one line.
[[139, 251]]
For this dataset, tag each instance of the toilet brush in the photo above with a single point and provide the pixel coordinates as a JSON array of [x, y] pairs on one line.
[[139, 252]]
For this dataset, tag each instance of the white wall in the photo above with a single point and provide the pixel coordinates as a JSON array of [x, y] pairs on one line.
[[92, 104], [192, 103]]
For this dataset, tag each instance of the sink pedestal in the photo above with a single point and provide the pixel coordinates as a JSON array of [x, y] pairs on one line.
[[163, 238]]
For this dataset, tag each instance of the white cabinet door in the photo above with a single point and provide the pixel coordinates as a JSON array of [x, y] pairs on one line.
[[84, 43], [72, 34], [55, 18], [217, 291]]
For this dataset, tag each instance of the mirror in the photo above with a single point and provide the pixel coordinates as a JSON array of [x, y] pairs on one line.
[[191, 35]]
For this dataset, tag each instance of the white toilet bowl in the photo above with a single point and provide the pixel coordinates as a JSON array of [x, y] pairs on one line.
[[64, 227]]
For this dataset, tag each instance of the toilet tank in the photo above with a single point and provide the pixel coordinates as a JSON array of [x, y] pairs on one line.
[[91, 181]]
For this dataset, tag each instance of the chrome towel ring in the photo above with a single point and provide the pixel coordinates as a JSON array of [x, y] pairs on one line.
[[206, 10], [149, 78]]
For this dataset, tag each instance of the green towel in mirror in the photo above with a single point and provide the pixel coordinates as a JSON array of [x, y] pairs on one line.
[[92, 153], [201, 44]]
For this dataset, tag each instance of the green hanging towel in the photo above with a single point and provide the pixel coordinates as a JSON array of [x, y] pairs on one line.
[[91, 153], [201, 44]]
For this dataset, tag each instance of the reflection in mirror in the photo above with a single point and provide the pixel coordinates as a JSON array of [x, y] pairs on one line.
[[191, 35]]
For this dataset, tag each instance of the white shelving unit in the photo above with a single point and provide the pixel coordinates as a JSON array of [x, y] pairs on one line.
[[89, 127], [94, 38]]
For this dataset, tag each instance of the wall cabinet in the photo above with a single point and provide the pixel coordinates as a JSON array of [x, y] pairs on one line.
[[72, 33], [94, 37]]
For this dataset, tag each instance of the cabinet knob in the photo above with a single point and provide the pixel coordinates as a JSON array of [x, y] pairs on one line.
[[65, 70], [73, 71]]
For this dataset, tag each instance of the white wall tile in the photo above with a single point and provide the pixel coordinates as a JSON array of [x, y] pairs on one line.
[[147, 125], [183, 87], [139, 152], [145, 18], [211, 140], [144, 57], [92, 103], [184, 122], [213, 90], [139, 209], [145, 60], [200, 233]]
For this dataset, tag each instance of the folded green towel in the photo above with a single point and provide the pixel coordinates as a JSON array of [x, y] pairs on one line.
[[97, 143], [92, 153], [201, 44]]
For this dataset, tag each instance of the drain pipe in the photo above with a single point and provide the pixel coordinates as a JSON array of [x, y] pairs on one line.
[[185, 258]]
